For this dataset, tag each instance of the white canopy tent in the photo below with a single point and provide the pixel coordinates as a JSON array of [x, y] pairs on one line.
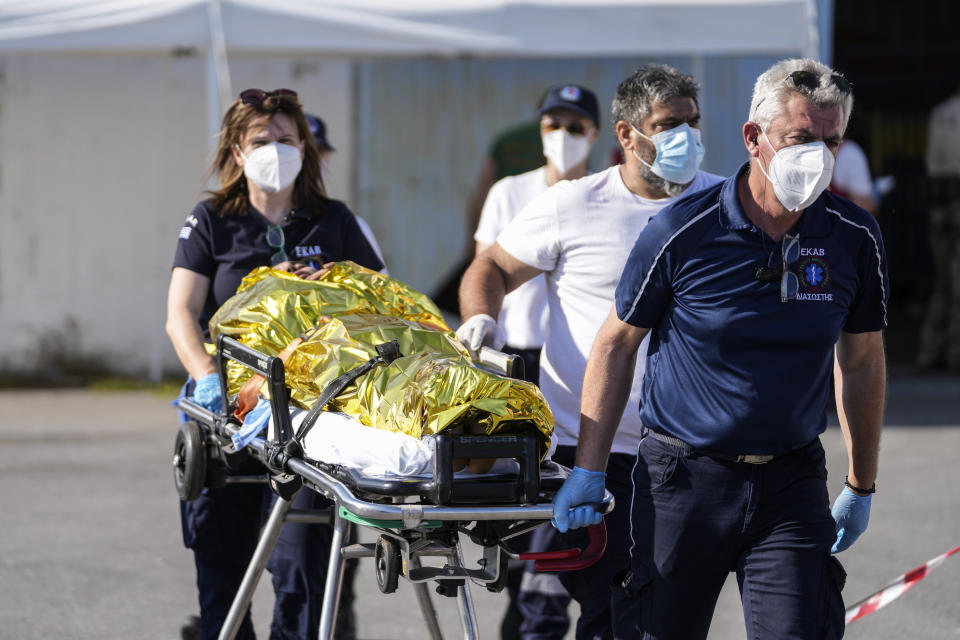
[[51, 47], [431, 27], [508, 28]]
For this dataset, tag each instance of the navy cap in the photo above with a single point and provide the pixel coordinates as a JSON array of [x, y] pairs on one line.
[[573, 97], [319, 131]]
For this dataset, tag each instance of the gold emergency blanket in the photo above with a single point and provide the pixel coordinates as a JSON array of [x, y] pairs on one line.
[[433, 386]]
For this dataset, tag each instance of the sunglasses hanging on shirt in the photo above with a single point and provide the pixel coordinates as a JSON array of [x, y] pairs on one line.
[[789, 283], [276, 240]]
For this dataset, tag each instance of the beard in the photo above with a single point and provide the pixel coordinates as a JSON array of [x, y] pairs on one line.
[[672, 189]]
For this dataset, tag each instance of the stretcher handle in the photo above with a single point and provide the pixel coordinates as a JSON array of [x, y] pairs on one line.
[[580, 559], [505, 364], [271, 367], [561, 554]]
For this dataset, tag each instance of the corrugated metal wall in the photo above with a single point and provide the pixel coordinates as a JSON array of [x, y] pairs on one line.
[[423, 127]]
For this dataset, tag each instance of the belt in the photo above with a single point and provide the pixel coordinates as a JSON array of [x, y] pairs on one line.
[[748, 458]]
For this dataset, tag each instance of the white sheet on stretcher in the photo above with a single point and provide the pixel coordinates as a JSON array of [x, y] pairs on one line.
[[338, 438]]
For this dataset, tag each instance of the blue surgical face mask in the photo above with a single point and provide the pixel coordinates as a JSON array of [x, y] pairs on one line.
[[679, 153]]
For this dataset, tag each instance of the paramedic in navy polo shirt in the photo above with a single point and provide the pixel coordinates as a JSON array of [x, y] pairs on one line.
[[270, 210], [747, 289]]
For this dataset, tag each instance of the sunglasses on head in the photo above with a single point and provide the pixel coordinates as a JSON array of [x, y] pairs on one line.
[[256, 97], [574, 128], [810, 81], [789, 283]]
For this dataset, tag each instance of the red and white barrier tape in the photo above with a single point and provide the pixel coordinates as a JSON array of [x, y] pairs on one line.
[[896, 588]]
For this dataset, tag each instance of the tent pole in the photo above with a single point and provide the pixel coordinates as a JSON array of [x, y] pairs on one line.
[[213, 112], [219, 90], [814, 50], [218, 43]]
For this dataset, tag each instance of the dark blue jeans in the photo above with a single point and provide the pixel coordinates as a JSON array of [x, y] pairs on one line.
[[696, 518], [590, 587]]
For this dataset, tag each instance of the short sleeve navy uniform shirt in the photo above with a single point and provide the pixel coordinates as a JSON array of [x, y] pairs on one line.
[[731, 367], [227, 248]]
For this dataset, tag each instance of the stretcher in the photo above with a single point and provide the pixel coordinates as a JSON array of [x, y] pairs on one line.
[[418, 520]]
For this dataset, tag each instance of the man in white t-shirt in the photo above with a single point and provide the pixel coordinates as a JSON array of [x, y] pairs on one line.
[[569, 124], [579, 234], [851, 176]]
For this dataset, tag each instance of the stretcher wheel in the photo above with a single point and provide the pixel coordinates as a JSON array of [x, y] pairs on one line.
[[388, 564], [189, 461]]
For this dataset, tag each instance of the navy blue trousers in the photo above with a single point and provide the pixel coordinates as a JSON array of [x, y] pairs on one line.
[[513, 617], [542, 599], [695, 519], [590, 587], [222, 527], [298, 567]]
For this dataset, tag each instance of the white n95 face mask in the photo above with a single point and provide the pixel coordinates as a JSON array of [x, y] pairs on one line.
[[565, 151], [272, 167], [799, 173]]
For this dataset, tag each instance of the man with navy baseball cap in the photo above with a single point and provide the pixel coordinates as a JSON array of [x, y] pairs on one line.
[[569, 124], [573, 98]]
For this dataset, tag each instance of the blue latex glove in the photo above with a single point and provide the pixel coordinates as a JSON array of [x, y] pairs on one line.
[[581, 487], [206, 392], [851, 513], [254, 422]]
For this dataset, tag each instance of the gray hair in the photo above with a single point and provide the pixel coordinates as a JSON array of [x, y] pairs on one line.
[[646, 86], [772, 91]]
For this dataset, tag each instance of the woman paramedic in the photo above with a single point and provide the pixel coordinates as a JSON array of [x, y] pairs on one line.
[[271, 209]]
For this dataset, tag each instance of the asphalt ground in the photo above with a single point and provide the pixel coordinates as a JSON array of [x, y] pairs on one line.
[[90, 542]]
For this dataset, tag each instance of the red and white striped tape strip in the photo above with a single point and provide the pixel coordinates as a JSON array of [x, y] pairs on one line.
[[896, 588]]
